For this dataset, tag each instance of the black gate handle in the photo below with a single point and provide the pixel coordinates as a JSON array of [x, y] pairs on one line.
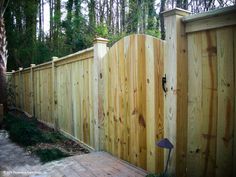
[[164, 84]]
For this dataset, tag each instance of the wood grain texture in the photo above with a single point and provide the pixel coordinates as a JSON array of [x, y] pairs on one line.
[[194, 105], [170, 101], [226, 93], [234, 146], [133, 118], [211, 99]]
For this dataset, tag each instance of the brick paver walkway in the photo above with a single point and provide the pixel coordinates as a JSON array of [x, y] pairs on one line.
[[15, 162]]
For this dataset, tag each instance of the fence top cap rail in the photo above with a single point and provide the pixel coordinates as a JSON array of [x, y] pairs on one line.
[[74, 54], [209, 14], [176, 11], [42, 64]]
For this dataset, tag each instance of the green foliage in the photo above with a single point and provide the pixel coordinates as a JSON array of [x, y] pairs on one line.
[[27, 133], [158, 175], [47, 155], [102, 30], [23, 132], [114, 38], [155, 33]]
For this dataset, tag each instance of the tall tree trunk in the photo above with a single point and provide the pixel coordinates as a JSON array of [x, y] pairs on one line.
[[92, 15], [3, 63], [151, 14], [51, 31], [162, 9], [117, 17], [122, 14]]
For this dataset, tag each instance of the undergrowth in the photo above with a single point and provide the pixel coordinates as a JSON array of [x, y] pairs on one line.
[[158, 175], [26, 133], [47, 155]]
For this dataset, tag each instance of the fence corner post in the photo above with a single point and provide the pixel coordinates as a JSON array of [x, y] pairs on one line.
[[100, 50], [32, 88], [54, 94], [176, 68]]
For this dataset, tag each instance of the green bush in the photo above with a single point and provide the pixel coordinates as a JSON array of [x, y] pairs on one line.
[[158, 175], [47, 155], [26, 132], [23, 132]]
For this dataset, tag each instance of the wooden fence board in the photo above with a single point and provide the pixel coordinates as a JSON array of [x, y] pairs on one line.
[[224, 156], [194, 164], [234, 147], [209, 103]]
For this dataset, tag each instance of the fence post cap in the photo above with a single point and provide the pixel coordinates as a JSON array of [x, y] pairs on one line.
[[54, 58], [100, 40], [32, 65], [20, 68], [176, 11], [12, 71]]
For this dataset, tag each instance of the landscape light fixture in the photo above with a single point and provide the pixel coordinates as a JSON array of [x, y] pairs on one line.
[[165, 143]]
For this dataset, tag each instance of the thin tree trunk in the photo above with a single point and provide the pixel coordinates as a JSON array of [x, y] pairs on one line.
[[117, 17], [122, 18], [162, 9]]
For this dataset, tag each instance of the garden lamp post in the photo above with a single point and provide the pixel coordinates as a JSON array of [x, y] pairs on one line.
[[165, 143]]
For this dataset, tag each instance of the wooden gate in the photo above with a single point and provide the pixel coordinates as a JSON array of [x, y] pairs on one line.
[[131, 98]]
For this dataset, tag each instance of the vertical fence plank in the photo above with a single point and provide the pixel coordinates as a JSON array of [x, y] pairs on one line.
[[225, 102], [234, 147], [194, 164], [150, 103], [142, 106], [159, 52], [209, 103]]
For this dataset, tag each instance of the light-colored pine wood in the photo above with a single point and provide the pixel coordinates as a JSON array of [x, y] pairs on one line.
[[150, 105], [159, 51], [100, 49], [226, 93], [175, 68], [209, 103], [218, 21], [234, 147], [32, 88], [194, 164], [130, 113]]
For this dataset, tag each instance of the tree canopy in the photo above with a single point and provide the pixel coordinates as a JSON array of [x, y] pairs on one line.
[[73, 24]]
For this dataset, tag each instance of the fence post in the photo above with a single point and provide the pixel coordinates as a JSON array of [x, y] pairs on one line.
[[175, 68], [32, 89], [54, 94], [1, 113], [21, 89], [13, 97], [100, 49]]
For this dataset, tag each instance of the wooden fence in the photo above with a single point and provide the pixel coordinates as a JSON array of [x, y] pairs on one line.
[[113, 100], [132, 100]]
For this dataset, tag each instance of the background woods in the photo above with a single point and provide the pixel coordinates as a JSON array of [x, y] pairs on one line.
[[39, 29]]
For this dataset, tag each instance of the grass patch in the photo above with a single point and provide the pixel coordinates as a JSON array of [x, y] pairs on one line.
[[47, 155]]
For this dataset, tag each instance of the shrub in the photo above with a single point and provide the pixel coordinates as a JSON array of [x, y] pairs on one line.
[[47, 155]]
